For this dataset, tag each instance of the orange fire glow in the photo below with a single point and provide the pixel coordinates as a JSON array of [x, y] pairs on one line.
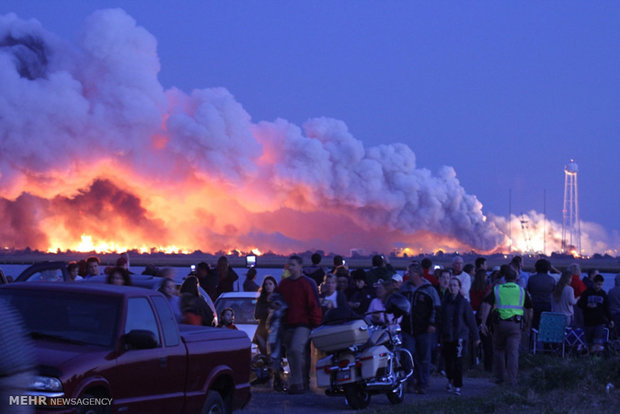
[[122, 210]]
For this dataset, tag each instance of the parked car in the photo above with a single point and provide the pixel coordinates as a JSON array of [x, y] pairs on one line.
[[121, 342], [243, 305]]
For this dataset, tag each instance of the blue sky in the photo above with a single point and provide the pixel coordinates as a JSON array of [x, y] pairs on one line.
[[505, 92]]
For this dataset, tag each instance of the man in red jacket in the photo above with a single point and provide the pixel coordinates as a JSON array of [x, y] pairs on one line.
[[304, 313]]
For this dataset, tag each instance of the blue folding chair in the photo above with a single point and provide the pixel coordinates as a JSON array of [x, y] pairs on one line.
[[575, 340], [550, 331]]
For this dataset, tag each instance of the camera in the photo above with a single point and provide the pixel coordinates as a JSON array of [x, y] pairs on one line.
[[192, 268], [250, 261]]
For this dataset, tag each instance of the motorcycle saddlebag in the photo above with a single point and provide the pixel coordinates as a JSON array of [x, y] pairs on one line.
[[329, 338]]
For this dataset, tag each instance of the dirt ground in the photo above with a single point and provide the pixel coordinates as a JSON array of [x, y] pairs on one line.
[[266, 401]]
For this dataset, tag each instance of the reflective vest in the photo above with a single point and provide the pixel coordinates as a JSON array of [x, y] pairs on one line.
[[509, 300]]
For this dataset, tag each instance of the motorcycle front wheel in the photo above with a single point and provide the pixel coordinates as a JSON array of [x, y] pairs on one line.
[[356, 395], [403, 364]]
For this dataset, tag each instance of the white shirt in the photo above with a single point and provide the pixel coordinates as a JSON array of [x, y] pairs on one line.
[[465, 280], [333, 298]]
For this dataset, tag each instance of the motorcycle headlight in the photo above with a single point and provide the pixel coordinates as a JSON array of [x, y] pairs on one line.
[[40, 383]]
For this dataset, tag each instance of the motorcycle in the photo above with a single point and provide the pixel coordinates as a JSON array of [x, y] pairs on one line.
[[364, 358]]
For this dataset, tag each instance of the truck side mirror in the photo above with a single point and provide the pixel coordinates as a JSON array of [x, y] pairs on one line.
[[140, 339]]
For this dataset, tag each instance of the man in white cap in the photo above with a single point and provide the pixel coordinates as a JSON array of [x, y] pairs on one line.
[[397, 281]]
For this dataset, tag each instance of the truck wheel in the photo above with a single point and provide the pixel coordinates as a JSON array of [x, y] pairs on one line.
[[214, 404], [357, 396]]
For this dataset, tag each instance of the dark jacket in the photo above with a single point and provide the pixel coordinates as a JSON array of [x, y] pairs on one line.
[[226, 284], [441, 293], [425, 307], [376, 273], [595, 307], [364, 296], [198, 306], [250, 286], [540, 286], [457, 319], [209, 284], [315, 272]]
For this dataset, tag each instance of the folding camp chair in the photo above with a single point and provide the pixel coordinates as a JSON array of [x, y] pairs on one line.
[[550, 331], [575, 340]]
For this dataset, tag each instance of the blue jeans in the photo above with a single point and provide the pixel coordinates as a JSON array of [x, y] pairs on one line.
[[409, 345], [420, 348], [422, 358]]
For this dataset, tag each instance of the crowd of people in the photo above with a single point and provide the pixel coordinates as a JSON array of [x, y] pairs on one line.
[[458, 311]]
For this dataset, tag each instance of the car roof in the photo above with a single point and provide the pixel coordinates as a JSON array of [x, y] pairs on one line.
[[143, 281], [77, 287], [232, 295]]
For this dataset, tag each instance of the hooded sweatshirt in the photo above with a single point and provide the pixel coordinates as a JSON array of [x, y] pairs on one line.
[[595, 307]]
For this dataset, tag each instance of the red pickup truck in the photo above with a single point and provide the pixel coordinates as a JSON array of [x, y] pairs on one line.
[[95, 342]]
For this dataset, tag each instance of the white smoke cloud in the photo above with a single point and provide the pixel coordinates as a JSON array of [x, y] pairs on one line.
[[71, 113], [533, 232]]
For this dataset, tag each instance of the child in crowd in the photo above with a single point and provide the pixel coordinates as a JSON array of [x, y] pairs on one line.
[[596, 315], [227, 319]]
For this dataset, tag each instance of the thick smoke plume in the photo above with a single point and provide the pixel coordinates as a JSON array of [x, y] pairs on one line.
[[92, 146]]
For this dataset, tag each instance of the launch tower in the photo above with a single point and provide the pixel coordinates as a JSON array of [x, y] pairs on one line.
[[571, 229]]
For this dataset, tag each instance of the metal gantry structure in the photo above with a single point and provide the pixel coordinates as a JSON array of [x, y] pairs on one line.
[[571, 228], [526, 233]]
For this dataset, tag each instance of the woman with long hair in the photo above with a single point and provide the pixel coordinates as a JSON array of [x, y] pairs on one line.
[[563, 297], [261, 312]]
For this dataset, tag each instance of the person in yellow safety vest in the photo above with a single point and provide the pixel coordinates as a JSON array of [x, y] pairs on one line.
[[511, 305]]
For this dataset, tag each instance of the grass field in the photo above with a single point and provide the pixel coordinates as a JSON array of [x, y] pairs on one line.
[[548, 384]]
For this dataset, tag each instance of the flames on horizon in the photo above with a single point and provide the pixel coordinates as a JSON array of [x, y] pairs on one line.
[[96, 156]]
